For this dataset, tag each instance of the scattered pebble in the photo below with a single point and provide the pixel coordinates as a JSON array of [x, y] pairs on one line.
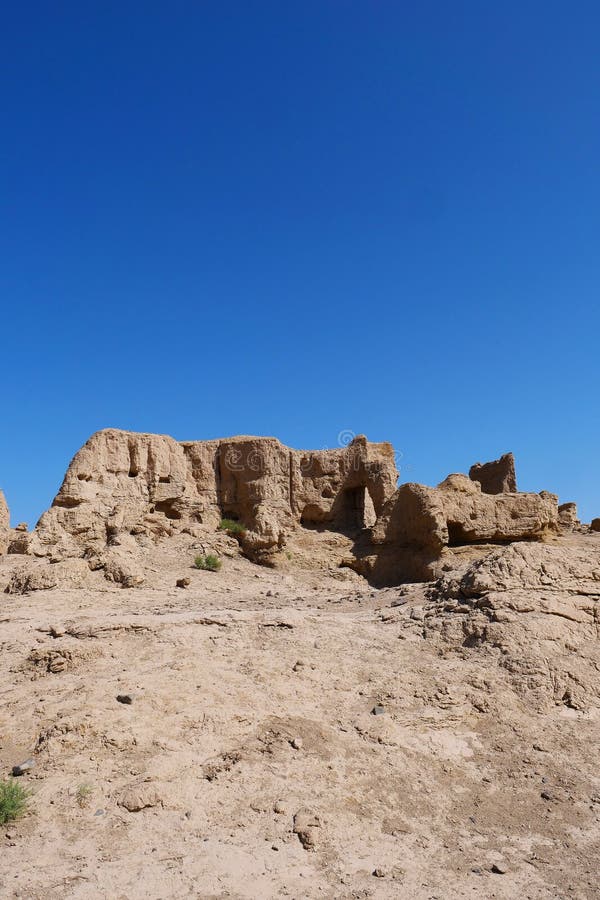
[[279, 807], [125, 698], [139, 797], [23, 767], [183, 582], [297, 743], [378, 873], [305, 823], [499, 869], [546, 795], [377, 711]]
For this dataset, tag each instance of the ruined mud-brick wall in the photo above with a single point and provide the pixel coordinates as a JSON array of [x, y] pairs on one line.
[[567, 516], [123, 489], [419, 524], [144, 484], [496, 477]]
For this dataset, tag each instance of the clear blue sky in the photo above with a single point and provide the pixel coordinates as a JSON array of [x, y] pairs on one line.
[[298, 218]]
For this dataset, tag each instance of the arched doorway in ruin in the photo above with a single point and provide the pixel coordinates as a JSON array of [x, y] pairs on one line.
[[354, 509]]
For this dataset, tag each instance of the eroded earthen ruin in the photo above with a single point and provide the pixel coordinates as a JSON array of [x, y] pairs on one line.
[[496, 477], [124, 490]]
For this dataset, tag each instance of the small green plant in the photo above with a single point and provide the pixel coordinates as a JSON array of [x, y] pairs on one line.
[[83, 793], [232, 527], [209, 563], [14, 799], [289, 554]]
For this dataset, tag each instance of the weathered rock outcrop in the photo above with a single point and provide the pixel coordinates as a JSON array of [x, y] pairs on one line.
[[496, 477], [122, 484], [533, 606], [37, 575], [528, 567], [4, 524], [418, 523]]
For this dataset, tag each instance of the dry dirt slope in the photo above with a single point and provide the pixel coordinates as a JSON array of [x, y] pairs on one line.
[[252, 745]]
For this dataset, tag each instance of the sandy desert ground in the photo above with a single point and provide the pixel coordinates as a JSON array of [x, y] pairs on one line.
[[293, 733]]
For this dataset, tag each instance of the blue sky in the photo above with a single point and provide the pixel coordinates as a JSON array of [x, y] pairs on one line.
[[296, 219]]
